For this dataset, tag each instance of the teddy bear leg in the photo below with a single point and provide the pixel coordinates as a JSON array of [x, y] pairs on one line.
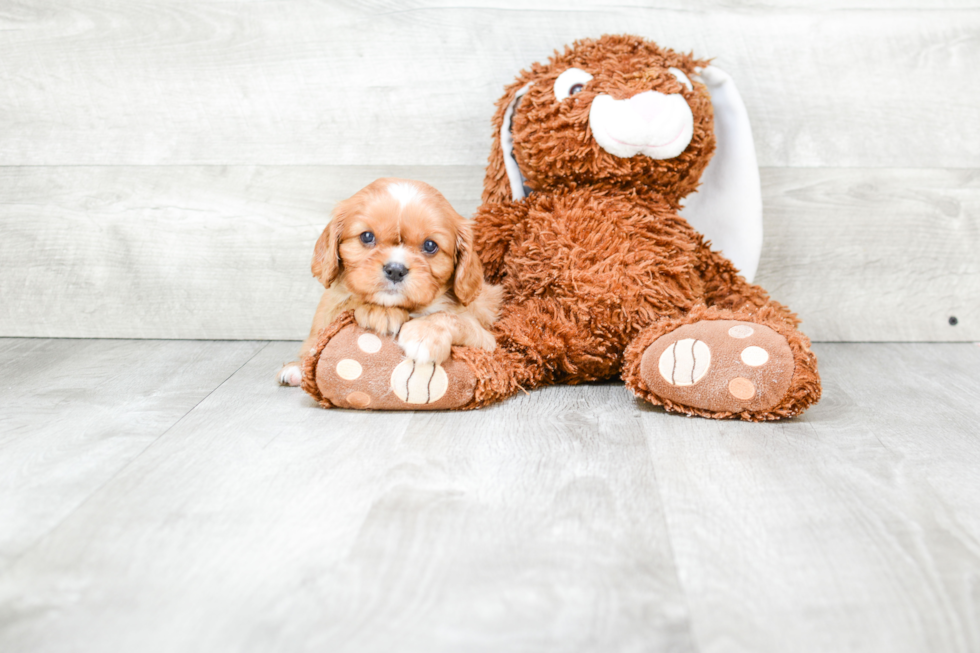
[[351, 367], [719, 363], [725, 288]]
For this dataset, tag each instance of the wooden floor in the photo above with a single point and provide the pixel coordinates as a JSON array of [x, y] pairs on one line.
[[168, 496]]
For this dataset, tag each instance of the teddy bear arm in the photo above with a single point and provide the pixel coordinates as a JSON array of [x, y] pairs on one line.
[[495, 227]]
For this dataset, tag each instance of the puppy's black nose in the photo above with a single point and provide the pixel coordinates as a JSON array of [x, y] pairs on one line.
[[395, 271]]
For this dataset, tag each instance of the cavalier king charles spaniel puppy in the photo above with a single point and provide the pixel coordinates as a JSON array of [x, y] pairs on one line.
[[399, 256]]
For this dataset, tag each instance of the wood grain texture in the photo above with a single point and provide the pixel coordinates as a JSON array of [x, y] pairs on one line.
[[223, 252], [569, 519], [203, 252], [262, 522], [854, 528], [412, 83], [875, 255], [73, 413]]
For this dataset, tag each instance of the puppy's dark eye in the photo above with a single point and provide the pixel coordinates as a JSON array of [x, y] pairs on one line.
[[367, 238], [430, 247], [576, 88]]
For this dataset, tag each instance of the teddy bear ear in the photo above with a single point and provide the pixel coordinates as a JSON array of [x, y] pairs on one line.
[[504, 180], [727, 207]]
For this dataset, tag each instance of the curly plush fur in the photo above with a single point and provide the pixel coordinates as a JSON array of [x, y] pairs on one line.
[[597, 255], [596, 264]]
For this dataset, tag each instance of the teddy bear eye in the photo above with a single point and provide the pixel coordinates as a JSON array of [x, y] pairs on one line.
[[430, 247], [681, 77], [570, 82], [367, 238]]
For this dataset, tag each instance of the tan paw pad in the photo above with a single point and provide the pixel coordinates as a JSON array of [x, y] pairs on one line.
[[349, 369], [754, 356], [741, 389], [361, 369], [369, 343], [741, 331], [419, 383], [685, 362], [719, 365], [359, 399]]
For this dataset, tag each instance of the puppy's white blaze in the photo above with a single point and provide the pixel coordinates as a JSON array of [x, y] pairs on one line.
[[403, 192], [397, 255]]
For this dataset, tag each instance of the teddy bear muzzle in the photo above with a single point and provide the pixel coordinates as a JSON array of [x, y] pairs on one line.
[[651, 123]]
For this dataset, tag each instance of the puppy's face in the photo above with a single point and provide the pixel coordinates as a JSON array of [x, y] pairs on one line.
[[399, 243]]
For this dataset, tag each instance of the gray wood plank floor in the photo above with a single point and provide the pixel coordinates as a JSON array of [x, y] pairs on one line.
[[168, 496]]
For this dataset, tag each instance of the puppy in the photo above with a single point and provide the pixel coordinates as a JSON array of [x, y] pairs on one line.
[[399, 256]]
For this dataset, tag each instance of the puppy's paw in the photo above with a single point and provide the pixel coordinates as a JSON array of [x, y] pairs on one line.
[[425, 342], [486, 340], [381, 319], [290, 375]]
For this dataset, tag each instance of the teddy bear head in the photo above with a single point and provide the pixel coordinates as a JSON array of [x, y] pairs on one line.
[[613, 112]]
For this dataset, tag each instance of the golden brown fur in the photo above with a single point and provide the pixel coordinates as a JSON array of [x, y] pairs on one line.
[[596, 264], [440, 301], [596, 260]]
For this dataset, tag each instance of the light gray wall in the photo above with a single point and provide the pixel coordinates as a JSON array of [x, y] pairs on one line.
[[165, 166]]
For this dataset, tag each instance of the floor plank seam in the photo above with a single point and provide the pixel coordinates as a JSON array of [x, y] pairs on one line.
[[13, 562], [696, 646]]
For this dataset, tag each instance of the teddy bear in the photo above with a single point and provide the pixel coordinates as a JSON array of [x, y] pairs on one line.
[[593, 154]]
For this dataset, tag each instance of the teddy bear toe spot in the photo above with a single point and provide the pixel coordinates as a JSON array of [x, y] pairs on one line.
[[741, 331], [369, 343], [685, 362], [419, 383], [741, 388], [754, 356], [439, 384], [359, 399], [349, 369]]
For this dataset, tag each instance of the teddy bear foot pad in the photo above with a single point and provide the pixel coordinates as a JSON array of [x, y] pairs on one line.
[[360, 369], [724, 366]]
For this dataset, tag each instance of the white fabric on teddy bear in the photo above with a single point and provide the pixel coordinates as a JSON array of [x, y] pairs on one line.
[[727, 207]]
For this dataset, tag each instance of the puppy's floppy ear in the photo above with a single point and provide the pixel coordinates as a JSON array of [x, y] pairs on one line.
[[326, 265], [468, 281]]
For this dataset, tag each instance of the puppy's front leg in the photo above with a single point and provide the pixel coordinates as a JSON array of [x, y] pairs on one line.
[[382, 319], [429, 339]]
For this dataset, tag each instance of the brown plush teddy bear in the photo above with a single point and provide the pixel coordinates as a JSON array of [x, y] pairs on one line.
[[593, 153]]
